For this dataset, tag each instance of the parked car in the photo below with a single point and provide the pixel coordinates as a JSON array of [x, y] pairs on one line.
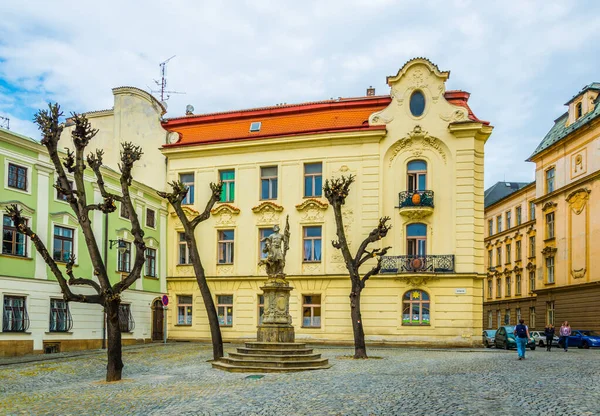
[[540, 338], [505, 338], [583, 338], [488, 337]]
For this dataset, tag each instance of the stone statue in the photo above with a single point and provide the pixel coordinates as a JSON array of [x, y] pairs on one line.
[[276, 247]]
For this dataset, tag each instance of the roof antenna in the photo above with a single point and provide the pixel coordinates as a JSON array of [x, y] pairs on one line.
[[5, 122], [164, 94]]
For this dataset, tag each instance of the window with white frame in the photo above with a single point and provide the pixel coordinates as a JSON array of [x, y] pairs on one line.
[[150, 264], [415, 308], [508, 254], [531, 211], [64, 243], [550, 269], [184, 309], [14, 314], [225, 246], [518, 214], [268, 182], [518, 250], [508, 219], [550, 180], [312, 243], [60, 316], [499, 256], [263, 233], [124, 258], [184, 255], [518, 284], [490, 259], [507, 317], [550, 225], [188, 181], [498, 287], [311, 311], [150, 218], [532, 246], [490, 227], [313, 179], [17, 177], [416, 175], [261, 308], [550, 313], [532, 317], [126, 322], [489, 288], [499, 317], [227, 178], [225, 310], [416, 239], [518, 313], [490, 319], [13, 242], [508, 286], [532, 280], [499, 224]]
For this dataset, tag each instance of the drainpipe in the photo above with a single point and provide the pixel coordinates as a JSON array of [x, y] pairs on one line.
[[105, 260]]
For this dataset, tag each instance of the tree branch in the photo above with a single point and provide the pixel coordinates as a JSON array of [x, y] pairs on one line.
[[377, 234], [377, 268], [215, 196], [79, 281], [94, 160]]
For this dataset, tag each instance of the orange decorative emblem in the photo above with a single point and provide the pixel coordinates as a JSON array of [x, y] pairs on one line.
[[416, 199]]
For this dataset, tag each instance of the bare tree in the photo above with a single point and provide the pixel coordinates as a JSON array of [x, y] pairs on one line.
[[336, 191], [175, 198], [106, 294]]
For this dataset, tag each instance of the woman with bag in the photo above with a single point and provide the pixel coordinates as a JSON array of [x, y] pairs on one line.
[[565, 332]]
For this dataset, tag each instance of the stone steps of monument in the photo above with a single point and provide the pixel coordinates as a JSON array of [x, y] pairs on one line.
[[239, 369], [276, 345], [268, 363], [274, 351], [274, 357]]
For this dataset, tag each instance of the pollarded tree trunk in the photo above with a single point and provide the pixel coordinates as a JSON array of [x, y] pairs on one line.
[[360, 348], [114, 349]]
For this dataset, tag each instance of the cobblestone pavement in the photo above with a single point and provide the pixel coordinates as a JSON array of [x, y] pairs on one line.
[[176, 379]]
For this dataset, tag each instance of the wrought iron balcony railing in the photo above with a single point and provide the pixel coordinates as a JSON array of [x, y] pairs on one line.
[[418, 264], [416, 199]]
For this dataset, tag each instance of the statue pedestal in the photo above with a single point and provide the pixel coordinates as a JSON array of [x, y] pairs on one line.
[[277, 321]]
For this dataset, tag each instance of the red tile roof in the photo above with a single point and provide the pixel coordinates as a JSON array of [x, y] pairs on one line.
[[341, 115]]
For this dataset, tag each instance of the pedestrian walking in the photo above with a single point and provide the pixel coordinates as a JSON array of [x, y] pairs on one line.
[[549, 332], [521, 337], [565, 332]]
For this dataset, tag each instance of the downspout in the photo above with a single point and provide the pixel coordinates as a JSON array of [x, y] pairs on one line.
[[105, 260]]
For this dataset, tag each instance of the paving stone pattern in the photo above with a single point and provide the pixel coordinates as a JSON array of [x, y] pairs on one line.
[[176, 379]]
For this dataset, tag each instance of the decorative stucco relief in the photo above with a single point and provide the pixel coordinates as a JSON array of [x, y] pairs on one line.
[[225, 214], [184, 271], [548, 205], [418, 140], [577, 200], [549, 251], [312, 210], [455, 115], [269, 213], [416, 280], [224, 270], [578, 274]]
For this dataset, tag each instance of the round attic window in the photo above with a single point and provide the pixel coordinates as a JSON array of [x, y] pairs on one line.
[[417, 103]]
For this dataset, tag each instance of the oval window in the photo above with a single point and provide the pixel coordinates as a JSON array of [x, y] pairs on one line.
[[417, 103]]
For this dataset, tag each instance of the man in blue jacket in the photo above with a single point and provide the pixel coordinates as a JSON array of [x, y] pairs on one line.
[[521, 337]]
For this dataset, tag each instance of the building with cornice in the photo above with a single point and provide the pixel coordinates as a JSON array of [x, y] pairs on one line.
[[560, 278], [417, 154]]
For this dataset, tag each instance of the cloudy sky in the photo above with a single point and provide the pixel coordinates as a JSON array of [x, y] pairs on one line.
[[521, 60]]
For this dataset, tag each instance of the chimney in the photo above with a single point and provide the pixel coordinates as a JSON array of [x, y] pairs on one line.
[[370, 91]]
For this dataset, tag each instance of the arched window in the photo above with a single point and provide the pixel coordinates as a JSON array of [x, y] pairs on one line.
[[415, 308], [578, 110], [417, 175], [416, 239]]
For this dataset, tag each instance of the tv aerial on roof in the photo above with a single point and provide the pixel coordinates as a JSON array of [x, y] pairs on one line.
[[162, 83]]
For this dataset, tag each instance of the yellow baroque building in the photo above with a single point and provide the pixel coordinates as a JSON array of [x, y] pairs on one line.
[[417, 154]]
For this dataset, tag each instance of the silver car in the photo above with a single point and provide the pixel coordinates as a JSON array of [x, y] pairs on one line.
[[488, 337], [540, 338]]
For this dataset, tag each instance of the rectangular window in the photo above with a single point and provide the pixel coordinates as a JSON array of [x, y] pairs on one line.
[[311, 311], [63, 243], [531, 211], [150, 218], [184, 255], [507, 317], [499, 256], [518, 215], [550, 313], [313, 179], [489, 288], [13, 242], [255, 126], [261, 308], [508, 253], [263, 233], [550, 225], [490, 227], [499, 317], [126, 322], [124, 259], [508, 219], [268, 182], [225, 310], [17, 177], [518, 250], [532, 317], [518, 285], [123, 213], [532, 246], [14, 314], [184, 310], [508, 286], [531, 281], [498, 287], [225, 246], [312, 244], [490, 259], [227, 177], [63, 197], [188, 181], [550, 180], [518, 313], [499, 224], [490, 319], [151, 262], [60, 317], [550, 269]]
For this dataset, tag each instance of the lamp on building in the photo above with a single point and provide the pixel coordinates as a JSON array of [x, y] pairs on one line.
[[121, 245]]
